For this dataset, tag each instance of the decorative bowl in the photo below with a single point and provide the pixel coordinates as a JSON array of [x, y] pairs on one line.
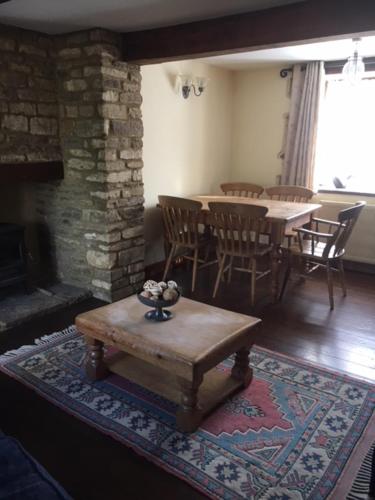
[[158, 313]]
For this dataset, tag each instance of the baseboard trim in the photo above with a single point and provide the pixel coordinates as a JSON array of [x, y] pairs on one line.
[[360, 267], [154, 269], [157, 268]]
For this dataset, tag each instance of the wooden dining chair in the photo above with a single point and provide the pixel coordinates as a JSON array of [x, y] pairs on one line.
[[242, 189], [313, 253], [237, 228], [181, 219], [298, 194]]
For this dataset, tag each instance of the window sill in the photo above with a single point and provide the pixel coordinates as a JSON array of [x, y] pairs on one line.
[[346, 191]]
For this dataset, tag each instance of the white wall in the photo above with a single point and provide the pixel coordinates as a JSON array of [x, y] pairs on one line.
[[187, 142], [259, 107]]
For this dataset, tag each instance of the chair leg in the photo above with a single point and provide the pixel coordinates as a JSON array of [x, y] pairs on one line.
[[330, 285], [342, 277], [230, 269], [287, 275], [206, 253], [218, 256], [253, 279], [169, 260], [195, 267], [302, 265], [219, 274], [167, 248]]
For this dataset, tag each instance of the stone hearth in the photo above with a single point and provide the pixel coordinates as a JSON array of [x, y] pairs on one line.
[[19, 307]]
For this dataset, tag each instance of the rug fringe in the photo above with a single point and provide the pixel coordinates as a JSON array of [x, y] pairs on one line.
[[56, 335], [45, 339]]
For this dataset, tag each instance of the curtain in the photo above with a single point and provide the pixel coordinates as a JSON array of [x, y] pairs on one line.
[[307, 88]]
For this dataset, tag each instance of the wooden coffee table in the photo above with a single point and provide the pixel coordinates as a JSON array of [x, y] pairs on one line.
[[176, 358]]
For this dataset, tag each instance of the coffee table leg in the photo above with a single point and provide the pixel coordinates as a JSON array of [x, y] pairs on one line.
[[241, 369], [189, 415], [95, 367]]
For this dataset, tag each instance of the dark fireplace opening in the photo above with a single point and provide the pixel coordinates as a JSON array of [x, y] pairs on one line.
[[13, 257], [29, 286]]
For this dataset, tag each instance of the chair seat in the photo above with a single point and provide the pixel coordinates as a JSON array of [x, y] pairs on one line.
[[236, 251], [290, 234], [266, 233], [318, 251], [203, 239]]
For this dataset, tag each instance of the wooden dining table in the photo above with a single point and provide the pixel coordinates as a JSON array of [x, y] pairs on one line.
[[282, 217]]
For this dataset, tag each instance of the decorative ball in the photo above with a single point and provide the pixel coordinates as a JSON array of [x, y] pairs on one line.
[[170, 294], [149, 284], [146, 294], [156, 291], [172, 284], [163, 285]]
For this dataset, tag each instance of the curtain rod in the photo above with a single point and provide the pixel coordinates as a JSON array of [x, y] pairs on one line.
[[284, 72], [332, 67]]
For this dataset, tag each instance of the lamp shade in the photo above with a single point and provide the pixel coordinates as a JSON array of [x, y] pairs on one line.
[[201, 82]]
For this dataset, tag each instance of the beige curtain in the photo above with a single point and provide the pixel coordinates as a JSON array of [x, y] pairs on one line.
[[307, 87]]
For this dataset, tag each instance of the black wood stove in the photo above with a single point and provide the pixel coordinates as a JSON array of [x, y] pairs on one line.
[[13, 265]]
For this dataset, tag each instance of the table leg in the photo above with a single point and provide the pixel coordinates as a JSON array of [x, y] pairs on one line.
[[275, 271], [189, 415], [95, 367], [241, 369]]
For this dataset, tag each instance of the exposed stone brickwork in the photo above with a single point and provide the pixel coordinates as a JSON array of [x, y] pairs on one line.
[[95, 216], [71, 98], [28, 97]]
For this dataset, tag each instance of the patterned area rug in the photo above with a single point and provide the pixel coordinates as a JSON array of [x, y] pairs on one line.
[[297, 432]]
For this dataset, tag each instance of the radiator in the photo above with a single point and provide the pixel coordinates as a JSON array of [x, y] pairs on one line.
[[361, 245]]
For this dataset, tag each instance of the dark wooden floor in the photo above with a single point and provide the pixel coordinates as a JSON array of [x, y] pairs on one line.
[[91, 465]]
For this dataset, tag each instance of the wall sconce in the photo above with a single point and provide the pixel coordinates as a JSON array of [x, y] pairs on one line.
[[186, 83]]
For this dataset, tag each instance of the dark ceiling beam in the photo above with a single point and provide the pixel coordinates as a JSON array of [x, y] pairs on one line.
[[288, 24]]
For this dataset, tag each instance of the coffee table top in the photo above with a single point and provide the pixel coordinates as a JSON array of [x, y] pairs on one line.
[[196, 330]]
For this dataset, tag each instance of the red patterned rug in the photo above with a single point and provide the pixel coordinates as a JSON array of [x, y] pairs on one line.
[[297, 432]]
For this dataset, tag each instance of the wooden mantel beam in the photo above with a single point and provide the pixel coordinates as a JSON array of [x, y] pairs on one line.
[[278, 26], [31, 171]]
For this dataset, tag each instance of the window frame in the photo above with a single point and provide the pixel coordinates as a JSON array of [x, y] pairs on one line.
[[331, 76]]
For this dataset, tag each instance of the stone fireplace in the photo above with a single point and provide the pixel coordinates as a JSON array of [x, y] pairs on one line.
[[71, 98]]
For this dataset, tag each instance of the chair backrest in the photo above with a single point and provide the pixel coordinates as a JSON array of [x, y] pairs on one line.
[[242, 189], [180, 218], [237, 226], [347, 219], [298, 194]]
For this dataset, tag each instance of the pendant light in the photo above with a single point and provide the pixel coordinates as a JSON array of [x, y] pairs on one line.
[[354, 69]]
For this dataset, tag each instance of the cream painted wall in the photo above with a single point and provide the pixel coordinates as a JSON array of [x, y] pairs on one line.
[[187, 143], [232, 132], [260, 102]]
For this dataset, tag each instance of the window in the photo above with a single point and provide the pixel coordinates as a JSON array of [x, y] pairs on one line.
[[345, 156]]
